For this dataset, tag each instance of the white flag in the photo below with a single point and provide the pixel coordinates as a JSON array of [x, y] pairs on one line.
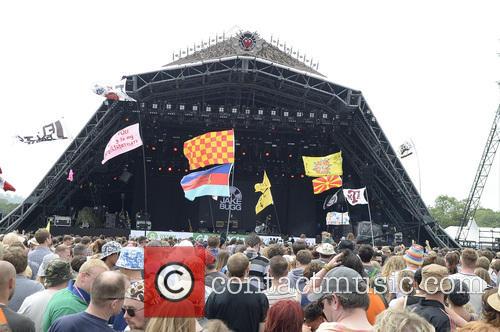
[[405, 150], [355, 196], [123, 141], [49, 132], [112, 92]]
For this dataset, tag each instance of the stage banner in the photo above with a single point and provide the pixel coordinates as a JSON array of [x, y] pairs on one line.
[[337, 218], [321, 166], [160, 235], [125, 140]]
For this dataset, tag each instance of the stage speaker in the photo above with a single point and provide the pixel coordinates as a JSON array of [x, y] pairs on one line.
[[219, 223], [234, 224], [110, 220], [365, 231], [62, 221]]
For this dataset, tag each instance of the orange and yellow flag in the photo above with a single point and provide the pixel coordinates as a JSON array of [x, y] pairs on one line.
[[326, 183], [216, 147]]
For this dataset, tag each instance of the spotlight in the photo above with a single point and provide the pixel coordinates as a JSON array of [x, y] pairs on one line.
[[176, 149], [285, 113], [169, 169], [247, 111], [299, 114], [155, 106], [182, 107], [159, 168], [208, 109], [302, 176], [234, 110], [267, 154], [244, 153], [169, 106], [273, 112], [290, 155], [195, 107], [260, 112], [153, 148], [221, 109]]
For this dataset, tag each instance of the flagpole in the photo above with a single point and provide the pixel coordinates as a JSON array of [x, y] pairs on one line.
[[229, 211], [370, 216], [211, 212], [277, 218], [144, 171]]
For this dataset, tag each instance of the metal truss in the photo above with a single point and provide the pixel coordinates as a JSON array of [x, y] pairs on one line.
[[102, 118], [482, 173], [397, 180]]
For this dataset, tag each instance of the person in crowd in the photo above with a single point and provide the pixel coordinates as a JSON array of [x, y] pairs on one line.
[[76, 296], [284, 316], [215, 325], [106, 300], [240, 305], [494, 271], [221, 260], [24, 286], [56, 277], [80, 250], [326, 253], [484, 262], [213, 278], [131, 262], [452, 259], [475, 284], [434, 284], [397, 320], [77, 262], [259, 264], [393, 265], [343, 296], [478, 327], [413, 298], [133, 306], [12, 237], [109, 254], [9, 319], [213, 245], [313, 316], [483, 274], [405, 283], [280, 288], [86, 240], [458, 300], [274, 250], [142, 241], [366, 254], [296, 276], [491, 307], [386, 251], [177, 324], [298, 246], [45, 263], [413, 258], [35, 257], [64, 252], [68, 240]]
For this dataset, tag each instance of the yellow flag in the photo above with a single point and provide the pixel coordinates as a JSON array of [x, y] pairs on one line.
[[266, 198], [48, 226], [264, 201], [262, 187], [321, 166]]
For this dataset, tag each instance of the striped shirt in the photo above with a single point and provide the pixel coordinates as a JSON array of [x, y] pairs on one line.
[[282, 292], [259, 266]]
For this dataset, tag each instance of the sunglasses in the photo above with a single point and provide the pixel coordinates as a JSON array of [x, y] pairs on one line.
[[131, 311]]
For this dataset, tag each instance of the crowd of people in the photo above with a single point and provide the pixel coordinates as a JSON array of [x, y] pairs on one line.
[[72, 283]]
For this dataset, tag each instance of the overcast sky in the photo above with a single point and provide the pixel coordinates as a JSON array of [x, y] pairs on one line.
[[428, 69]]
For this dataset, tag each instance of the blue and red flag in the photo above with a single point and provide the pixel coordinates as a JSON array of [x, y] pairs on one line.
[[210, 182]]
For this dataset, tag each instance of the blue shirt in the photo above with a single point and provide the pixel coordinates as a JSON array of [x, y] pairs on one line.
[[81, 322]]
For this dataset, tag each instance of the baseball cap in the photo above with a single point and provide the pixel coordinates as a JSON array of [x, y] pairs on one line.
[[110, 248], [337, 281], [435, 278], [131, 258], [57, 272]]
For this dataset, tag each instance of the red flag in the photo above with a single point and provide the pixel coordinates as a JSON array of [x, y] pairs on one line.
[[326, 183], [5, 185]]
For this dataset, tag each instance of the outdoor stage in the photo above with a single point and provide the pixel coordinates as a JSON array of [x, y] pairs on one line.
[[281, 109]]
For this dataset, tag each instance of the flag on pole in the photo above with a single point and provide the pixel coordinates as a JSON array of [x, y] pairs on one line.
[[355, 196], [210, 182], [125, 140], [405, 150], [321, 166], [266, 198], [48, 226], [216, 147], [50, 132], [330, 200], [326, 183], [5, 185]]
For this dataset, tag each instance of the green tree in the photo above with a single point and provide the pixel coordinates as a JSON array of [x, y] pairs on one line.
[[6, 206], [447, 210]]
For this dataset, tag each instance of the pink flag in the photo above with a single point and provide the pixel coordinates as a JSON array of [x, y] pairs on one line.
[[70, 175], [123, 141]]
